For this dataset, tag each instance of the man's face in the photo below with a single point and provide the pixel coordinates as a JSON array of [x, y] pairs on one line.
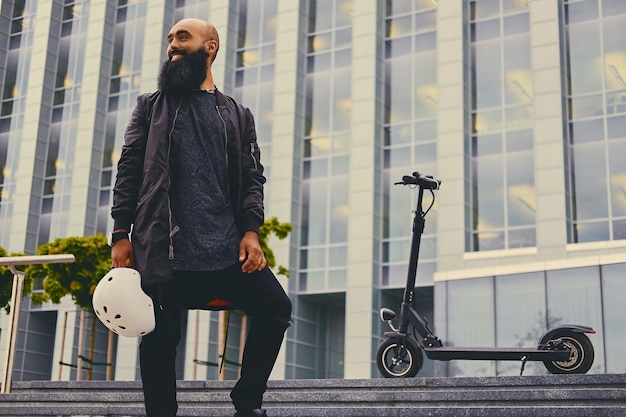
[[187, 59], [184, 37]]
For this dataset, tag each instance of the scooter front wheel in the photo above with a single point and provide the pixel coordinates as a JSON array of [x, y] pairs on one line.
[[396, 359], [581, 354]]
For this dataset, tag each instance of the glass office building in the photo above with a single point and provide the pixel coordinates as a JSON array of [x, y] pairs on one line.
[[518, 106]]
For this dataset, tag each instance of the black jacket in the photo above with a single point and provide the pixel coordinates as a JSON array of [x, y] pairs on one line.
[[140, 195]]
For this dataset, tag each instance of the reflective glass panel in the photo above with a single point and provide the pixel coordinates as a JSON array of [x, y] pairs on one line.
[[574, 297], [613, 7], [338, 226], [517, 23], [584, 56], [519, 140], [338, 256], [581, 11], [315, 258], [488, 72], [488, 121], [426, 85], [521, 201], [400, 200], [342, 100], [394, 275], [337, 279], [471, 322], [520, 317], [518, 85], [522, 238], [617, 164], [489, 194], [586, 131], [586, 106], [398, 93], [591, 182], [317, 213], [343, 12], [320, 108], [425, 130], [425, 21], [614, 33], [614, 288], [592, 231], [399, 26], [619, 229], [481, 9], [397, 134]]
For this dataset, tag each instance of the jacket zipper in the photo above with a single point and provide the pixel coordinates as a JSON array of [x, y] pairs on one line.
[[174, 229], [172, 233], [252, 149], [252, 145], [225, 145]]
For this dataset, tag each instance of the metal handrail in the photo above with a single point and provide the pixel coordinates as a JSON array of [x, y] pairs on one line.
[[16, 303]]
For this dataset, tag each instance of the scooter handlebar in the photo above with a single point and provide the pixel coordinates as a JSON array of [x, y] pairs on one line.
[[423, 181]]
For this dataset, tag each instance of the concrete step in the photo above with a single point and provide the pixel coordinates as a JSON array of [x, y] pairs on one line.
[[538, 396]]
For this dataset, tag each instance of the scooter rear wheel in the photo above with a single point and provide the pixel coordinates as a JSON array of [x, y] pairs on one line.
[[581, 354], [398, 360]]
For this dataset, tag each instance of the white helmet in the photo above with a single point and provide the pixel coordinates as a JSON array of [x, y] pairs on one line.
[[121, 305]]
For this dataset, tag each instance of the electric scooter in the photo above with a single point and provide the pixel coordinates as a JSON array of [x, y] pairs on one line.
[[563, 350]]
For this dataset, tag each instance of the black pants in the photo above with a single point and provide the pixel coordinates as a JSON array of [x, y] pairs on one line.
[[259, 295]]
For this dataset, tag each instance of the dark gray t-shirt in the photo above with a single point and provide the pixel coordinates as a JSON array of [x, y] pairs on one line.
[[208, 239]]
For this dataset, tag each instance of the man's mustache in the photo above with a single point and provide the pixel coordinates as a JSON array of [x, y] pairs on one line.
[[181, 52]]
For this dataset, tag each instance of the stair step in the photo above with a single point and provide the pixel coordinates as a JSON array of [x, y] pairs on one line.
[[549, 395]]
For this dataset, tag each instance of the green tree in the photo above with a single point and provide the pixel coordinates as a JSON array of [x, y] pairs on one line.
[[6, 282], [281, 231], [78, 279]]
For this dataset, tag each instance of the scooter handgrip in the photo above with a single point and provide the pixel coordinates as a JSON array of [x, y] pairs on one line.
[[407, 179]]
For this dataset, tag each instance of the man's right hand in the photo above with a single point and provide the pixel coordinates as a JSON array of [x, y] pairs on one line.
[[122, 254]]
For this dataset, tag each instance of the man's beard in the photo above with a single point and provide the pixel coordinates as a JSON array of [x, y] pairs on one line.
[[185, 75]]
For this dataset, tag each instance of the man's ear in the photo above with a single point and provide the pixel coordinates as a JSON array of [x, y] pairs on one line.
[[210, 47]]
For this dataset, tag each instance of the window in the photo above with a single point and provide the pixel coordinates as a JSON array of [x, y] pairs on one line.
[[325, 185], [410, 134], [594, 58], [502, 192]]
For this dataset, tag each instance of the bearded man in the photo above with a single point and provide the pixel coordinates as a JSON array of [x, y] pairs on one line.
[[187, 207]]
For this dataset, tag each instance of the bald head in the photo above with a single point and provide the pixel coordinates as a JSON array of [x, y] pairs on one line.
[[195, 33]]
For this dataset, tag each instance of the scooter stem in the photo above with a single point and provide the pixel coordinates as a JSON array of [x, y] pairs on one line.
[[409, 291], [418, 230]]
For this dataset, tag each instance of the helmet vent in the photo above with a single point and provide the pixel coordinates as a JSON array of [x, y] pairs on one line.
[[110, 279], [106, 310], [117, 316]]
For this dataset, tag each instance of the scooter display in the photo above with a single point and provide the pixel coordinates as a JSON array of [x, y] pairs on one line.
[[563, 350]]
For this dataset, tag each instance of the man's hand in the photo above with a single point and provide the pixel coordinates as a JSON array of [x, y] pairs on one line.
[[122, 254], [250, 251]]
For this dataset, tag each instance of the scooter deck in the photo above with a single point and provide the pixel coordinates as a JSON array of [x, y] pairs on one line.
[[446, 353]]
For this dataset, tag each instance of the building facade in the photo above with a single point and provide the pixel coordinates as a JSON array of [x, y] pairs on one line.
[[518, 106]]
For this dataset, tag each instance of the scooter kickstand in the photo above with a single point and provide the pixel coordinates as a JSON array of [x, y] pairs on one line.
[[524, 360]]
